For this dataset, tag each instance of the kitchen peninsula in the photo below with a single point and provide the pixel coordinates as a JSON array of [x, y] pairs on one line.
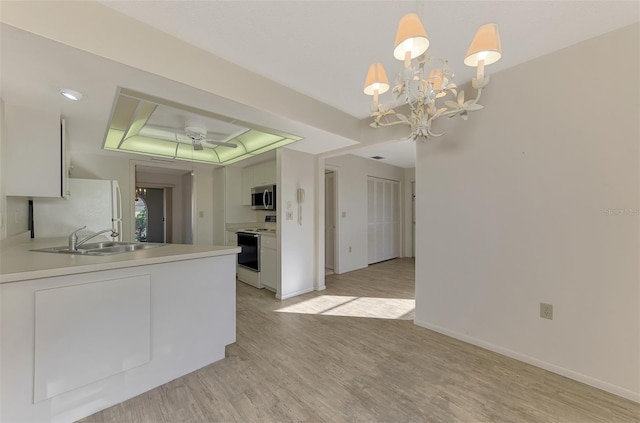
[[81, 333]]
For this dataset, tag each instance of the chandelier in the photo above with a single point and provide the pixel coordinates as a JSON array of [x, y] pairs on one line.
[[425, 84]]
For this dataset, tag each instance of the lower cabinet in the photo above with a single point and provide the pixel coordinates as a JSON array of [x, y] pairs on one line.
[[269, 263], [72, 345]]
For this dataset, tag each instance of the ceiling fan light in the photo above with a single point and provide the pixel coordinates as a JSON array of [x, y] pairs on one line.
[[410, 37], [485, 46]]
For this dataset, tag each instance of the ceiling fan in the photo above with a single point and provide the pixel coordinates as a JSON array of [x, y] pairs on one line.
[[198, 134]]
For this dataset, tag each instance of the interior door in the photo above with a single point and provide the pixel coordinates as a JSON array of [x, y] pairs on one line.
[[155, 215], [383, 204]]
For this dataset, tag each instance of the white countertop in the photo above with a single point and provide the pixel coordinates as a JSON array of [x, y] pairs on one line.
[[17, 263]]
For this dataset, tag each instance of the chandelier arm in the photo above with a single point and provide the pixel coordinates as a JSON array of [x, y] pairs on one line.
[[478, 96], [462, 107]]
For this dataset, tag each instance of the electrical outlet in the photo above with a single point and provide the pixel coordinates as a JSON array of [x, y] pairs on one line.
[[349, 248], [546, 311], [344, 214], [289, 215]]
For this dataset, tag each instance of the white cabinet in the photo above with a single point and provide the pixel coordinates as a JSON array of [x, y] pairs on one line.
[[74, 344], [264, 173], [254, 176], [269, 262], [36, 157]]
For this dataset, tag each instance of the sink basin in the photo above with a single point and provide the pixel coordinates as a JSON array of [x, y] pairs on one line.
[[101, 248]]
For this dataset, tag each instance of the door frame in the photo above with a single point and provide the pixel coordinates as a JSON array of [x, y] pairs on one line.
[[168, 207], [336, 217]]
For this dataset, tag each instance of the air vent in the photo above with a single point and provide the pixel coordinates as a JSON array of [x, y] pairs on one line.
[[377, 157]]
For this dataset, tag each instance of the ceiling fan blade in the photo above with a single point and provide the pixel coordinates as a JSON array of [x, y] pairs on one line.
[[222, 143]]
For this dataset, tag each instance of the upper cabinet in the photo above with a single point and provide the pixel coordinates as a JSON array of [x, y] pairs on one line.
[[264, 173], [35, 159], [255, 176]]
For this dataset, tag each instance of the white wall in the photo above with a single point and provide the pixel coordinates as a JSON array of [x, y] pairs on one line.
[[206, 198], [296, 252], [188, 206], [3, 197], [536, 199], [407, 247], [219, 234], [352, 172]]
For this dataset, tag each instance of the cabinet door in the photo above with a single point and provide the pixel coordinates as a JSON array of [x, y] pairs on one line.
[[259, 176], [270, 173], [35, 153], [264, 173]]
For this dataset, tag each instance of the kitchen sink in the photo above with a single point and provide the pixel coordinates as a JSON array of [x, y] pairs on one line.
[[101, 248]]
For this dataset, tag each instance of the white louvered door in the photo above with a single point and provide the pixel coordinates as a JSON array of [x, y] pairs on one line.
[[383, 204]]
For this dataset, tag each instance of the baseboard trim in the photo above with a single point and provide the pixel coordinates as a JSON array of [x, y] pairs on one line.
[[295, 294], [596, 383]]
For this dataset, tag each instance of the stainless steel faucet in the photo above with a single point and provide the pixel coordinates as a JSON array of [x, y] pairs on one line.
[[73, 238]]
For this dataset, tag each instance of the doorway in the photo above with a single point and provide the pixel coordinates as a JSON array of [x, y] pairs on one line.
[[151, 220], [165, 214], [329, 222]]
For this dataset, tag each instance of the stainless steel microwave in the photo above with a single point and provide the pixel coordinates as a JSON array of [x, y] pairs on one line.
[[263, 197]]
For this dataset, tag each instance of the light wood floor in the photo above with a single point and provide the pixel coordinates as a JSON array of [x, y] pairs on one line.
[[292, 366]]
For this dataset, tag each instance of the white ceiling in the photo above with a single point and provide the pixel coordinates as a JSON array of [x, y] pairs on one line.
[[319, 48], [323, 48]]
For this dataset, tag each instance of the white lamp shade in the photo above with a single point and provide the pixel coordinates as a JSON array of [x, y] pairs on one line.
[[376, 80], [485, 46], [410, 36]]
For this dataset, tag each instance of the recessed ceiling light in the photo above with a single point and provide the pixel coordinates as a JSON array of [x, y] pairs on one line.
[[71, 94]]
